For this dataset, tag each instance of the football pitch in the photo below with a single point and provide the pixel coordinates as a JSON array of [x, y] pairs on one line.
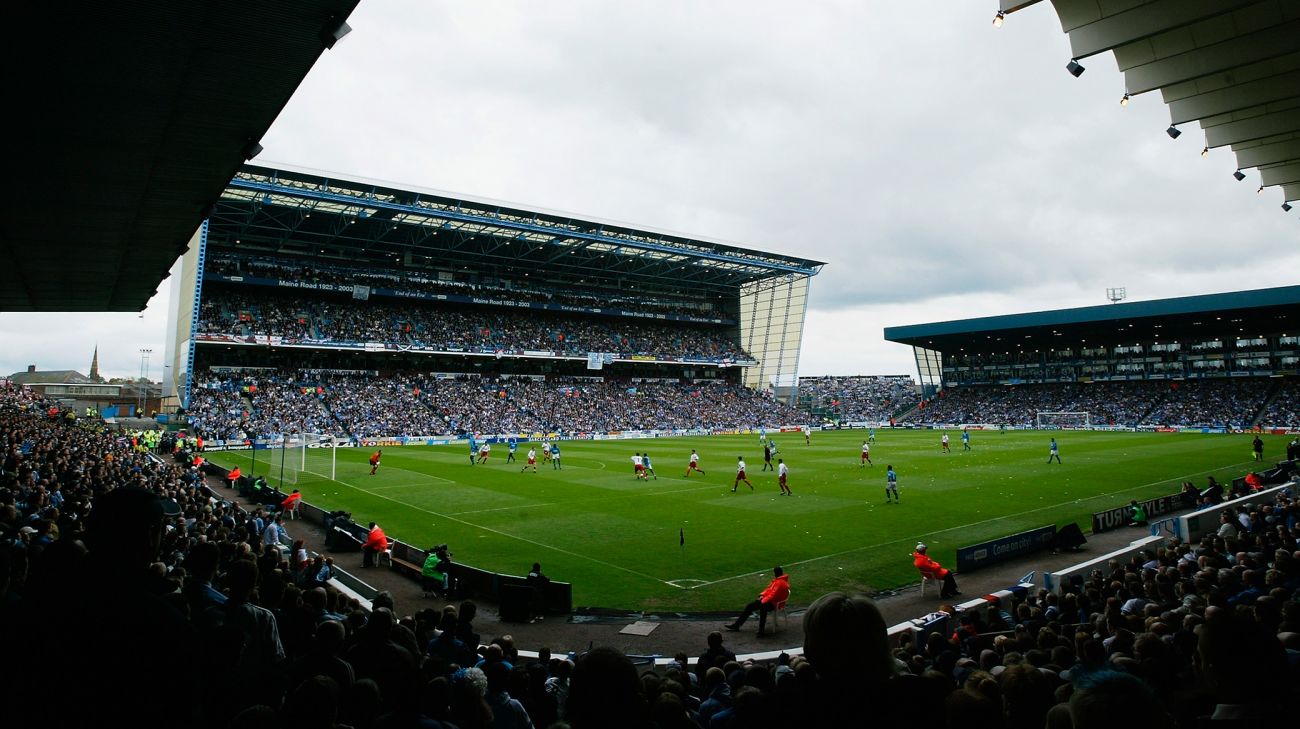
[[619, 539]]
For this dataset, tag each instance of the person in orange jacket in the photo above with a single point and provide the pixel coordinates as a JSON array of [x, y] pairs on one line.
[[290, 501], [930, 567], [232, 477], [777, 592], [376, 542]]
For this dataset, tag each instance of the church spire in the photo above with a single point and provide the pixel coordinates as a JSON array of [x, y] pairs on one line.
[[94, 366]]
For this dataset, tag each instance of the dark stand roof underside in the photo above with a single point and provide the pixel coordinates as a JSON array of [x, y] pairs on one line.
[[127, 119]]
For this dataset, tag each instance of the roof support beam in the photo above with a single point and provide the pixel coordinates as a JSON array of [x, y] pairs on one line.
[[1280, 175], [1290, 192], [1268, 154], [1144, 21], [1236, 98], [1238, 51], [1254, 128]]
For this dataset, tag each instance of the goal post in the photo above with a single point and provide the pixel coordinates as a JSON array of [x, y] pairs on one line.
[[1059, 420], [306, 453]]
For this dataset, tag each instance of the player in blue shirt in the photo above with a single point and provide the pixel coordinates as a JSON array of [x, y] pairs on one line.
[[473, 450], [891, 484], [513, 445], [965, 439], [555, 458]]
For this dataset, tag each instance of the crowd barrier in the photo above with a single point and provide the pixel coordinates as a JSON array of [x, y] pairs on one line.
[[1191, 527], [1187, 527], [1062, 578]]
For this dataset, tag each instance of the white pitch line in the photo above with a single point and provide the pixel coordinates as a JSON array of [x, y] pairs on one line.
[[501, 508], [526, 540], [974, 524]]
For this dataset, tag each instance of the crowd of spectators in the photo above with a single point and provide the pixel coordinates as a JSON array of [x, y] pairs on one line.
[[857, 399], [1209, 402], [416, 283], [238, 406], [265, 403], [1284, 408], [222, 628], [484, 329], [1212, 402]]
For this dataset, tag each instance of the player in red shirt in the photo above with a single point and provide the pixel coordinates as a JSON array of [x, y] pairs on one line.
[[374, 461]]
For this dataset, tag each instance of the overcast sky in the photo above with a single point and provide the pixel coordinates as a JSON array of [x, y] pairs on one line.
[[942, 168]]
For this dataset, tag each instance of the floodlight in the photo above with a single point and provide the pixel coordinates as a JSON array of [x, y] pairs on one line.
[[1205, 151], [1173, 132], [1260, 191], [1124, 100], [1286, 207], [252, 149], [997, 19], [333, 31], [1239, 175], [1074, 68]]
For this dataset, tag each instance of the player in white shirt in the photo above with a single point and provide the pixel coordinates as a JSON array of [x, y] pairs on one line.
[[740, 475], [807, 435], [782, 471], [532, 461], [694, 465], [944, 441], [638, 466], [546, 451], [866, 454], [484, 451]]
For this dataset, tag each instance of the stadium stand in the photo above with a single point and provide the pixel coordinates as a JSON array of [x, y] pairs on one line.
[[298, 321], [1210, 402], [265, 403], [859, 399]]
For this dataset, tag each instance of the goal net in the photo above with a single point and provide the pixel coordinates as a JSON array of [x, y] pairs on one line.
[[1048, 421], [305, 453]]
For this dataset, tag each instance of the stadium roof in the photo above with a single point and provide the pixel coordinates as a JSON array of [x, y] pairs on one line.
[[1244, 314], [292, 211], [126, 121], [1232, 66]]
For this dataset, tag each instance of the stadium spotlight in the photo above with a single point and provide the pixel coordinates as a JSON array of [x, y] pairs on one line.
[[1260, 191], [1205, 151], [1286, 207], [1074, 68], [1124, 101], [333, 31], [997, 19], [1239, 175], [1173, 132], [252, 149]]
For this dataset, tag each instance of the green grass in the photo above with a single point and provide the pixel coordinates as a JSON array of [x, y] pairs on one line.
[[616, 538]]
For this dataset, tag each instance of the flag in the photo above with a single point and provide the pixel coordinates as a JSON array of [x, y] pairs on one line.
[[681, 537]]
